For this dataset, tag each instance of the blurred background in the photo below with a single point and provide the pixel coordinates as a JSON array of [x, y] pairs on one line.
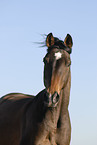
[[22, 23]]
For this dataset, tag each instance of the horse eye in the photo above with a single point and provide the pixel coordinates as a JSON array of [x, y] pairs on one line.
[[68, 63], [46, 60]]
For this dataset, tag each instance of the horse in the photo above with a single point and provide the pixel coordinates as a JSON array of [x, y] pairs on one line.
[[57, 79], [42, 119]]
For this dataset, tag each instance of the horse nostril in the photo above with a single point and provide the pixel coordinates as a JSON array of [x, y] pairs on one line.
[[55, 98], [47, 100]]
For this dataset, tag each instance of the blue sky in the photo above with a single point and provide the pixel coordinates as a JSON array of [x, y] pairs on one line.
[[21, 61]]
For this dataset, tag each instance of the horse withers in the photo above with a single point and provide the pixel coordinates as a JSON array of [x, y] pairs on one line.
[[42, 119]]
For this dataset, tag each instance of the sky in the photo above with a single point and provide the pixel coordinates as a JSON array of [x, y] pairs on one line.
[[22, 24]]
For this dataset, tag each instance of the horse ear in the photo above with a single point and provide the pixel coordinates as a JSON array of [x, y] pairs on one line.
[[68, 41], [50, 40]]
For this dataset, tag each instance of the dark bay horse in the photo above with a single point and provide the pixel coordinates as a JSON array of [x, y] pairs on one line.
[[42, 119]]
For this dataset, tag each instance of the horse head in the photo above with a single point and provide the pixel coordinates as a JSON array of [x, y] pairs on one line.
[[56, 67]]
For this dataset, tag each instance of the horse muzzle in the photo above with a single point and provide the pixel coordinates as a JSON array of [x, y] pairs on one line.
[[51, 100]]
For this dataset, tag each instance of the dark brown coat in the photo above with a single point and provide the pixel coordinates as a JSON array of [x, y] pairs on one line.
[[43, 119]]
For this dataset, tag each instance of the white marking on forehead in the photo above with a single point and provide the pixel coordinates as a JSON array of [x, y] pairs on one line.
[[58, 55]]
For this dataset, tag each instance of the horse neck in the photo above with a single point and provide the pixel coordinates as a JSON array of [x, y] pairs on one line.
[[65, 93]]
